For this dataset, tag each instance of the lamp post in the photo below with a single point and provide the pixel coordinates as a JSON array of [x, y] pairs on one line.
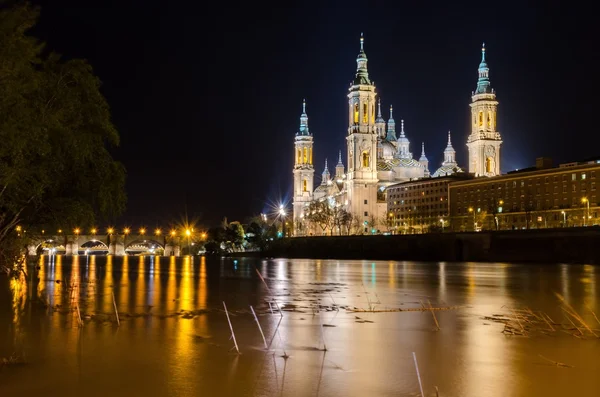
[[474, 222], [188, 233], [282, 215], [564, 214], [442, 222], [586, 201]]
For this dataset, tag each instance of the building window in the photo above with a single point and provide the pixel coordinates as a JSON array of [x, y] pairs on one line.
[[583, 176], [365, 114], [593, 186], [489, 121], [573, 177], [299, 157], [366, 201], [366, 213], [593, 174], [574, 188], [488, 165], [356, 113], [310, 156], [365, 159], [305, 159], [481, 119]]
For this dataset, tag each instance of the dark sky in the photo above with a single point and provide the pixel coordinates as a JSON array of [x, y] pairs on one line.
[[207, 95]]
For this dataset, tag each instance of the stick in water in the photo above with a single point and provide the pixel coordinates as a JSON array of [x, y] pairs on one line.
[[322, 333], [79, 315], [418, 375], [259, 327], [231, 328], [115, 305]]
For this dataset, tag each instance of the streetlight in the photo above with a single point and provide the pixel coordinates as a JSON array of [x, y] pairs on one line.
[[126, 231], [442, 222], [282, 214], [157, 232], [188, 233], [586, 201], [142, 231], [474, 222], [94, 231], [110, 230], [77, 231], [173, 233], [564, 214]]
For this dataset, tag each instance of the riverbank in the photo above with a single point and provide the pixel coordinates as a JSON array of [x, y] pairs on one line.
[[571, 245]]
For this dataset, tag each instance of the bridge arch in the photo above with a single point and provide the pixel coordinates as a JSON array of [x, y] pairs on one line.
[[90, 246], [48, 246]]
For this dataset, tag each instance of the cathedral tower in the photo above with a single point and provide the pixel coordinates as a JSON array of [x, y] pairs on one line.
[[484, 141], [424, 161], [362, 142], [303, 170]]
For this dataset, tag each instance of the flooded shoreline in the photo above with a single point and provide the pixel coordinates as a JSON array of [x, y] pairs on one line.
[[331, 328]]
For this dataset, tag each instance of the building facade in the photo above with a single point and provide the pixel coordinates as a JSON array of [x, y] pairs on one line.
[[539, 197], [421, 205], [377, 157]]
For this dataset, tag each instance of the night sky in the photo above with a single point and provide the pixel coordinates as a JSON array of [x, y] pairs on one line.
[[207, 95]]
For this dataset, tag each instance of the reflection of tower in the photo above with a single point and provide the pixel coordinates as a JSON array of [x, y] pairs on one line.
[[303, 168], [362, 142], [484, 141]]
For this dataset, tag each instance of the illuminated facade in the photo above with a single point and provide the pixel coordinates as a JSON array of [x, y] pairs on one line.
[[304, 171], [539, 197], [484, 141], [377, 157]]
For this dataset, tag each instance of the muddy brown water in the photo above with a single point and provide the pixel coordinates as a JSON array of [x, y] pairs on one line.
[[174, 337]]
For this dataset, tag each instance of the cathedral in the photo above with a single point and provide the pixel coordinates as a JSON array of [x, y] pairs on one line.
[[377, 156]]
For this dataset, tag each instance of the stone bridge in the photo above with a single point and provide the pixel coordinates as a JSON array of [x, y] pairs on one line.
[[113, 244]]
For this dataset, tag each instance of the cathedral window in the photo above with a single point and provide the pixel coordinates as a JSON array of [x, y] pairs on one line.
[[310, 156], [489, 121], [305, 159], [304, 183], [489, 167], [365, 114], [365, 159], [356, 113], [481, 119], [299, 156], [373, 113]]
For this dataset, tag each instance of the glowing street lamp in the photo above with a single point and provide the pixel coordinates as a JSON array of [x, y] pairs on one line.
[[188, 233], [173, 233], [157, 232], [474, 222], [94, 231], [77, 231], [126, 231], [142, 231], [442, 222], [110, 230], [564, 214], [586, 201]]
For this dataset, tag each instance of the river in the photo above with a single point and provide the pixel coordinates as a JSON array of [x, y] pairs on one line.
[[174, 336]]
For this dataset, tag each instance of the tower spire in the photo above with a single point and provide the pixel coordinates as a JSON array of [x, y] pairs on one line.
[[362, 74], [326, 175], [391, 127], [402, 128], [379, 109], [303, 121], [340, 158], [423, 160], [449, 154], [483, 82]]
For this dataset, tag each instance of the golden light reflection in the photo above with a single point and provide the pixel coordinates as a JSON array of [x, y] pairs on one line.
[[141, 287], [106, 294], [589, 286]]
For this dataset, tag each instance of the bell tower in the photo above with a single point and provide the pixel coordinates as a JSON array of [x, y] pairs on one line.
[[362, 142], [303, 171], [484, 141]]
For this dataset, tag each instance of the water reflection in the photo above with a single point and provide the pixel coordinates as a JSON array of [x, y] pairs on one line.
[[174, 338]]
